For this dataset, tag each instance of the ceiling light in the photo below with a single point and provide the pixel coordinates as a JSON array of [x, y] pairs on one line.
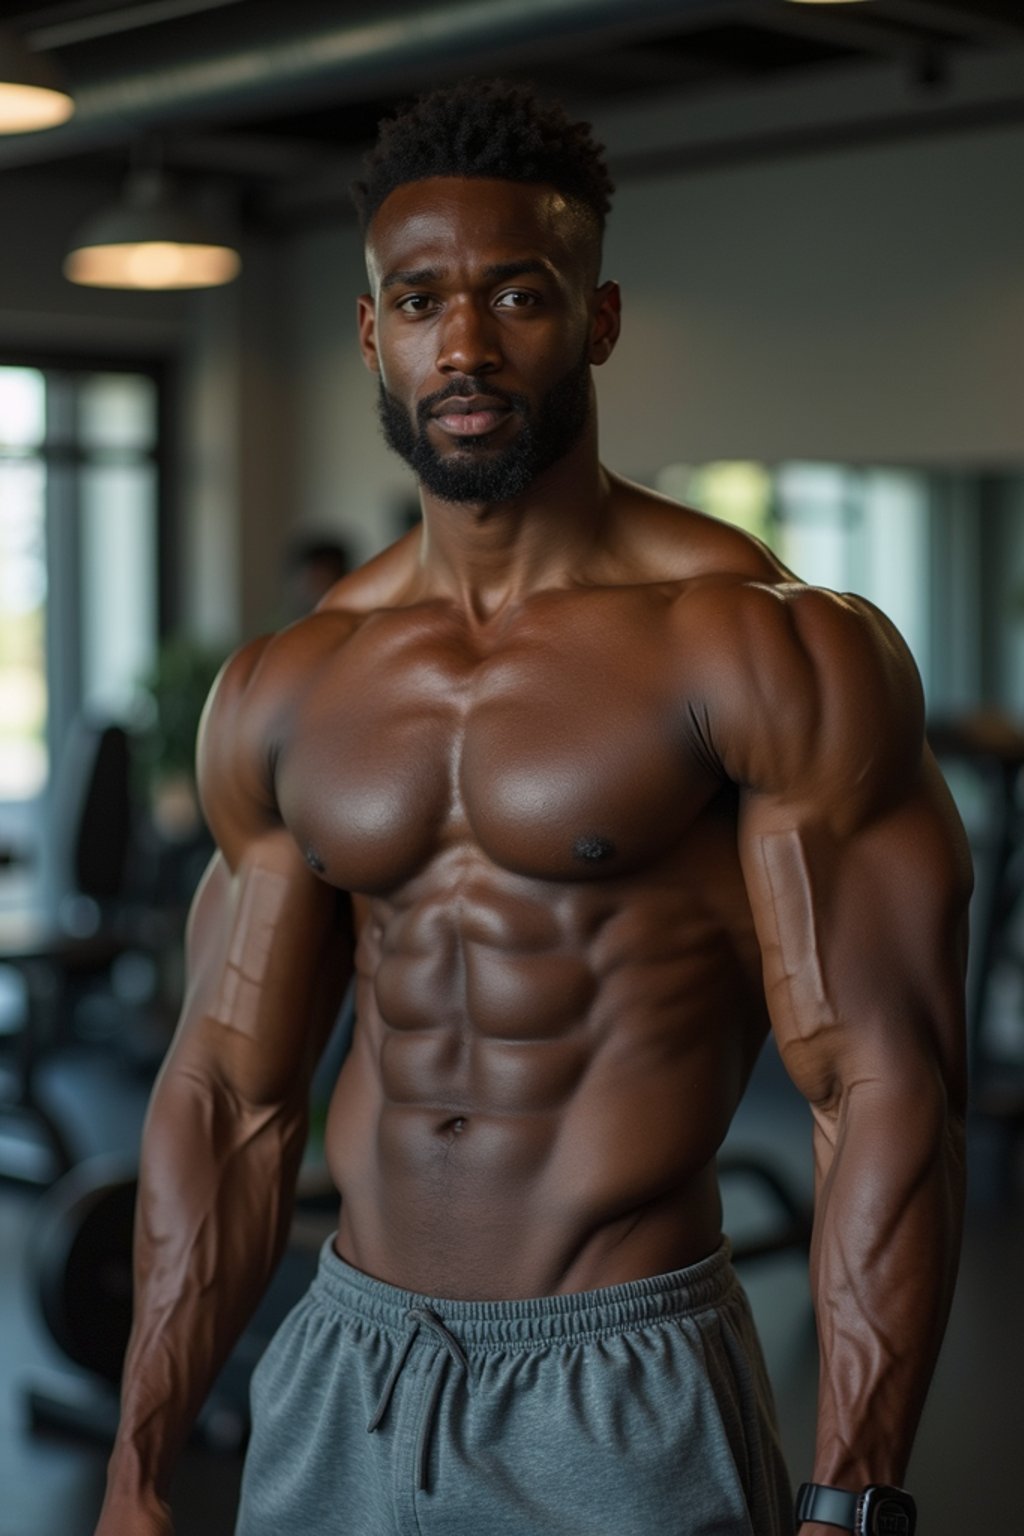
[[150, 240], [32, 94]]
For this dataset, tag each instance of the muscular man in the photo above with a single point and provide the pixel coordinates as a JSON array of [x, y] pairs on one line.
[[589, 792]]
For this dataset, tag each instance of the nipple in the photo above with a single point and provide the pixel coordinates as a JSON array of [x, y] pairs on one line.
[[314, 861], [592, 848]]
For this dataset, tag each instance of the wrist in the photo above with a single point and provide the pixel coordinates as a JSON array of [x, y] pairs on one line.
[[130, 1477], [878, 1509], [141, 1515]]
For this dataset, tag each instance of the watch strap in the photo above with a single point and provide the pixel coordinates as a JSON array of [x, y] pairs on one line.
[[827, 1506]]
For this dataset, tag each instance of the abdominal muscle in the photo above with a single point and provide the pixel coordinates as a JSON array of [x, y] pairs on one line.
[[535, 1092]]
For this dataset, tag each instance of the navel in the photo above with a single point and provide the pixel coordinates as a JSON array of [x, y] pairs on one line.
[[453, 1127], [593, 849]]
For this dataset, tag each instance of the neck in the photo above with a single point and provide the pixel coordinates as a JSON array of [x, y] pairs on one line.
[[490, 556]]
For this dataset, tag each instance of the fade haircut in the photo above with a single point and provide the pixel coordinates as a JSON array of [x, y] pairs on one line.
[[487, 128]]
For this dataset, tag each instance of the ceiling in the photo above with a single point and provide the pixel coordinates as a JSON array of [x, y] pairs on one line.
[[280, 99]]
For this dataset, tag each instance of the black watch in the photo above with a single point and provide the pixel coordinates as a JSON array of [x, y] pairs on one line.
[[876, 1511]]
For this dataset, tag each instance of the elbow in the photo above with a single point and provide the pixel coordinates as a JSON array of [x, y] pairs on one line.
[[913, 1106], [936, 1148], [197, 1104]]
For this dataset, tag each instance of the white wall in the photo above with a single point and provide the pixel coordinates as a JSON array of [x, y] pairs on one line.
[[863, 306], [345, 478], [237, 492]]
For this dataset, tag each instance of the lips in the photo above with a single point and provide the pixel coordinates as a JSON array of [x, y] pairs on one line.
[[474, 416]]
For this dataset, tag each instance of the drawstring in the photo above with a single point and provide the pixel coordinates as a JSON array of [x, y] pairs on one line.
[[389, 1385], [420, 1317]]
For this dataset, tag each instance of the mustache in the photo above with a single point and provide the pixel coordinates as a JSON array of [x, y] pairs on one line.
[[464, 389]]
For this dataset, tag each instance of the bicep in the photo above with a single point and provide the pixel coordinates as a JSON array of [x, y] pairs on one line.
[[268, 956], [862, 932], [269, 949]]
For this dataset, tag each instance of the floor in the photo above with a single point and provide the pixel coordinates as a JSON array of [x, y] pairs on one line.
[[968, 1452]]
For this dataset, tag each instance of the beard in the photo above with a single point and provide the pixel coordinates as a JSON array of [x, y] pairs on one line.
[[476, 473]]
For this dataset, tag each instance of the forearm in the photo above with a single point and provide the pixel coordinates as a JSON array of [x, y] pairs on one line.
[[215, 1198], [883, 1266]]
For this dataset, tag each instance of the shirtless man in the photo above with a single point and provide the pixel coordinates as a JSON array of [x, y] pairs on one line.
[[589, 792]]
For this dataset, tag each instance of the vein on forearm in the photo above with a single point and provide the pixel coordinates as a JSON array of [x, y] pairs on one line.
[[210, 1228], [882, 1265]]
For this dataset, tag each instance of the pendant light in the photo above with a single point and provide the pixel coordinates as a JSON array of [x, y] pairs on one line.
[[151, 239], [32, 93]]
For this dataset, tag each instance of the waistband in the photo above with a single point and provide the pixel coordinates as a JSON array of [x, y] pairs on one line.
[[699, 1287]]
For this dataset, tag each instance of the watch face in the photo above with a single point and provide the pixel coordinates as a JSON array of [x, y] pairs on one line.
[[885, 1512]]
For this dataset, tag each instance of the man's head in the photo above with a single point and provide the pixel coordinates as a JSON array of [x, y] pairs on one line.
[[314, 563], [496, 131], [484, 211]]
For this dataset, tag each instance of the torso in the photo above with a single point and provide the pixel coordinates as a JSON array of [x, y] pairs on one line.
[[558, 984]]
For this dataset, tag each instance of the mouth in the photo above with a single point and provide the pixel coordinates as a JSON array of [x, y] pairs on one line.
[[473, 417]]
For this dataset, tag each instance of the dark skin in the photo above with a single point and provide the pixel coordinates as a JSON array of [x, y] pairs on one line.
[[591, 794]]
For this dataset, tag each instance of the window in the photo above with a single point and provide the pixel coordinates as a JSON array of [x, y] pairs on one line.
[[861, 530], [80, 499], [23, 690]]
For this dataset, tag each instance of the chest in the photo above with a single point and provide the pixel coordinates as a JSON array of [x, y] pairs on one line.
[[562, 753]]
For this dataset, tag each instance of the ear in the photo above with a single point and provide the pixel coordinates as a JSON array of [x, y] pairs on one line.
[[605, 322], [366, 321]]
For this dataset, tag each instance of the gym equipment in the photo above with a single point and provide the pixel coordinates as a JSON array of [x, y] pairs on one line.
[[792, 1226], [80, 1265], [92, 836], [991, 747], [81, 1253]]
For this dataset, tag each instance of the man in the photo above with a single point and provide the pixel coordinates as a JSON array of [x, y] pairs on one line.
[[313, 563], [587, 790]]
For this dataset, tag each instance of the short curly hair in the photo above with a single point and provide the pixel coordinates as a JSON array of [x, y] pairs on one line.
[[486, 128]]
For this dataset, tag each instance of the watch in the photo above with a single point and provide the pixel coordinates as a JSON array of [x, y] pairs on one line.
[[877, 1510]]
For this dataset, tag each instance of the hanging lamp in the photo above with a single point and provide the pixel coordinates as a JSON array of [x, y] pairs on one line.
[[151, 239], [32, 92]]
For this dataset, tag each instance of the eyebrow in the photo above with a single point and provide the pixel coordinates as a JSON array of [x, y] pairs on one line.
[[506, 269], [411, 278], [498, 273]]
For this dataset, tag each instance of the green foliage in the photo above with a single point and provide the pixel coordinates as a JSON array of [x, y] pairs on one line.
[[174, 693]]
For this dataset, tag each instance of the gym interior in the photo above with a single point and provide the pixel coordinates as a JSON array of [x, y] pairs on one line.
[[819, 233]]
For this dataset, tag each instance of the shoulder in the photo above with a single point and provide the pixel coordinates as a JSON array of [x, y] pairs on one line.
[[249, 713], [662, 540], [808, 692], [232, 758]]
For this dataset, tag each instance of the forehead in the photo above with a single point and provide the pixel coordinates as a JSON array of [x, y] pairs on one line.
[[444, 219]]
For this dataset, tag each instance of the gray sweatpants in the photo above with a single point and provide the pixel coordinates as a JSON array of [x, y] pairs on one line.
[[635, 1410]]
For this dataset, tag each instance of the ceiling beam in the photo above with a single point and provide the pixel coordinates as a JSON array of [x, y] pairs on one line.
[[88, 27], [332, 61], [861, 34], [841, 107], [848, 99], [960, 19]]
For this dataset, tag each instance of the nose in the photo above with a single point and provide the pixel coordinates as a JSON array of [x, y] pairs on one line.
[[469, 341]]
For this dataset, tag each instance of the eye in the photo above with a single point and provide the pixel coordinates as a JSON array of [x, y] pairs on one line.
[[517, 298], [416, 304]]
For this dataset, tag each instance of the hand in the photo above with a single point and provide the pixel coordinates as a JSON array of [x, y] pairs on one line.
[[145, 1515]]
